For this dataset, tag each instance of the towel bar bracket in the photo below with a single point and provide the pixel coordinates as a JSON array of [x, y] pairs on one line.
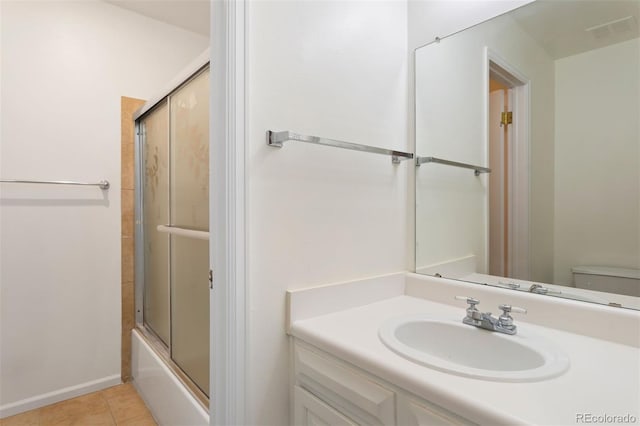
[[477, 170], [277, 139]]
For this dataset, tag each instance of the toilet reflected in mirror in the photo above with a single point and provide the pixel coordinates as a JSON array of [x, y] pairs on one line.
[[612, 280]]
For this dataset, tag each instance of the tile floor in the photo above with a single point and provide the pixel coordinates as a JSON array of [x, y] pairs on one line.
[[117, 406]]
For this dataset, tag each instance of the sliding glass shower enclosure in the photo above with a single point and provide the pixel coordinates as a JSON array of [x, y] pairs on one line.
[[172, 222]]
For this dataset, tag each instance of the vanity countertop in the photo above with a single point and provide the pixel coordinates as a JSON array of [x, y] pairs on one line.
[[603, 377]]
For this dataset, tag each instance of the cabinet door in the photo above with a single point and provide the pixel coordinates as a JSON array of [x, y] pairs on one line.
[[360, 396], [310, 411]]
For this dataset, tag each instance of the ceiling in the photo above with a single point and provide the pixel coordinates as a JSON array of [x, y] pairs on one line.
[[569, 27], [560, 27], [191, 15]]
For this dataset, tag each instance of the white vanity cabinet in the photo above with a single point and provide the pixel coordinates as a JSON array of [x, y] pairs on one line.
[[311, 411], [417, 412], [328, 391]]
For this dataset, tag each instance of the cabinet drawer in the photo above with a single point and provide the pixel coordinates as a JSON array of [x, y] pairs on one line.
[[344, 387]]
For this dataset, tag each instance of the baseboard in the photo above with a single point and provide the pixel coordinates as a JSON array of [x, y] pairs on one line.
[[58, 395]]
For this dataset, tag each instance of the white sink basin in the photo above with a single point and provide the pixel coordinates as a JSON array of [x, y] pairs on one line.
[[457, 348]]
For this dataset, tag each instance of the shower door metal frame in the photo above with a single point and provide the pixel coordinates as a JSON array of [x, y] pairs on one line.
[[139, 229], [139, 182], [197, 66], [162, 349]]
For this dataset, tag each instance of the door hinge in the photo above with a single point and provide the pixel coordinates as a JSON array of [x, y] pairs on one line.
[[210, 278], [506, 118]]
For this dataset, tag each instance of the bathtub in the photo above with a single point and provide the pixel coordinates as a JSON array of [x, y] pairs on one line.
[[169, 401]]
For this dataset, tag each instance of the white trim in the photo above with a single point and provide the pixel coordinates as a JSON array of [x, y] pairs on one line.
[[227, 215], [58, 395], [520, 188]]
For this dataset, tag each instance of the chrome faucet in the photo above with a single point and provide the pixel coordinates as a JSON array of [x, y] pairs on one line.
[[502, 324]]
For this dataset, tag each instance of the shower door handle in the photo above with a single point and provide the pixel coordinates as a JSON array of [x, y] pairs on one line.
[[184, 232]]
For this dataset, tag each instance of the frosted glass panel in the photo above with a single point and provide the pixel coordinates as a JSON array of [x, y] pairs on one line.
[[175, 191], [190, 308], [190, 209], [155, 196], [190, 154]]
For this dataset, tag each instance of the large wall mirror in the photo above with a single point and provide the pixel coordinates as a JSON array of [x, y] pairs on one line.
[[528, 146]]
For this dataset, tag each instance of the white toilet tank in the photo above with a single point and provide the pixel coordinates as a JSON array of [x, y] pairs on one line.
[[609, 279]]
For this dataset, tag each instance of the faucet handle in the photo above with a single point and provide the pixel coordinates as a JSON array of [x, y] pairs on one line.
[[505, 321], [508, 308], [472, 301], [473, 314]]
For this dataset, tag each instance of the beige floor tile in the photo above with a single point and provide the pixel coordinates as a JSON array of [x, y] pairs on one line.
[[119, 405], [104, 419], [70, 411], [30, 418], [116, 391], [128, 406], [139, 421]]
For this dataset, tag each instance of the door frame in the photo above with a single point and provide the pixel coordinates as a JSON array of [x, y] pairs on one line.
[[227, 186], [519, 189]]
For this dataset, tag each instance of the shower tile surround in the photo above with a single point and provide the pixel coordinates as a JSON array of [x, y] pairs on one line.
[[127, 107]]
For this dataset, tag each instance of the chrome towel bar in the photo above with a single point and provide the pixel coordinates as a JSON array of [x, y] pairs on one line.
[[276, 139], [103, 184], [476, 169], [184, 232]]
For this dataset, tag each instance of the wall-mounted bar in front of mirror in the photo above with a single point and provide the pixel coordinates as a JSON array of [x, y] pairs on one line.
[[476, 169], [276, 139]]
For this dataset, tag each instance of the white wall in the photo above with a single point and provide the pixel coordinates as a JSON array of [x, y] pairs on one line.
[[429, 19], [317, 214], [451, 123], [597, 218], [64, 67]]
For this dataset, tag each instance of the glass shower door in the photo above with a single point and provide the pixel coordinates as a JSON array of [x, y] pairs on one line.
[[190, 209], [175, 196], [155, 199]]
